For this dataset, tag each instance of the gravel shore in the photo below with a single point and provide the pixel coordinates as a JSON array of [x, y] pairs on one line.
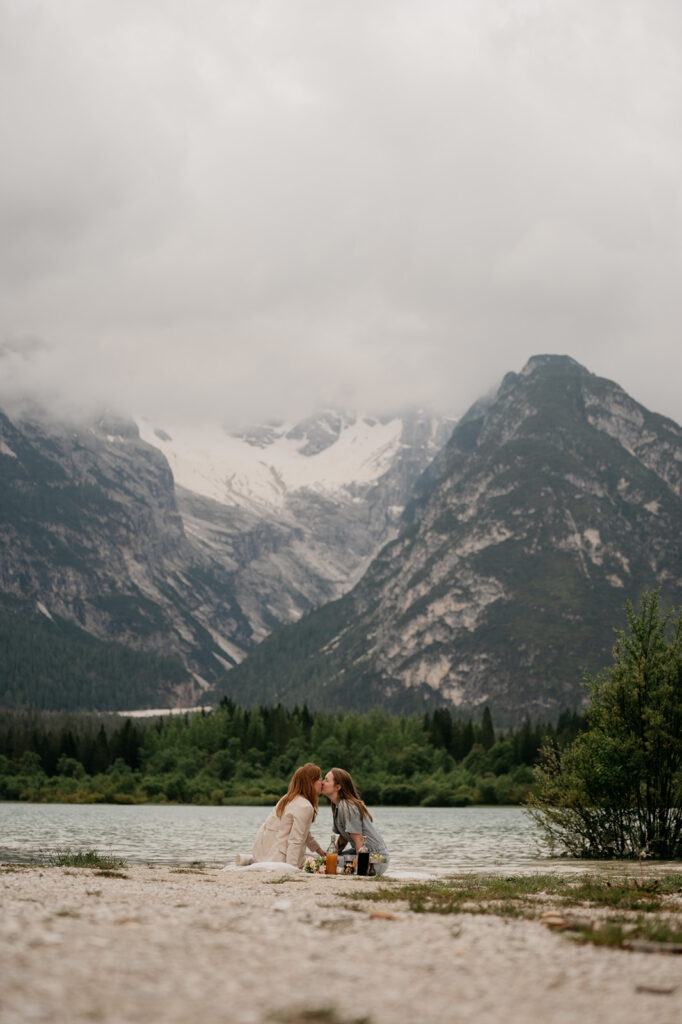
[[180, 945]]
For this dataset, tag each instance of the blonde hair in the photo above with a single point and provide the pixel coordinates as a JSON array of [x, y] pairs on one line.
[[302, 784], [348, 792]]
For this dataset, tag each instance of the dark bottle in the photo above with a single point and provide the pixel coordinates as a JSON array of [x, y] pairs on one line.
[[363, 859]]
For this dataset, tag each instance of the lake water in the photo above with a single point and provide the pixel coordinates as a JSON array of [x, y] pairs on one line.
[[433, 839]]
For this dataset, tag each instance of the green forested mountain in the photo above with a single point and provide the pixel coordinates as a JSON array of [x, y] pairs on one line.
[[553, 503], [51, 663]]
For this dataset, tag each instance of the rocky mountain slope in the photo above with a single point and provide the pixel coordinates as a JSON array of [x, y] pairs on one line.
[[296, 510], [94, 534], [552, 504], [90, 534]]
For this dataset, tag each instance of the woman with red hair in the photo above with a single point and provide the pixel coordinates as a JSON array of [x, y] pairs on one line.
[[285, 833]]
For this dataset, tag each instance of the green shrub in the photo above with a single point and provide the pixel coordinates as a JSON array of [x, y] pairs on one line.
[[398, 794], [617, 789]]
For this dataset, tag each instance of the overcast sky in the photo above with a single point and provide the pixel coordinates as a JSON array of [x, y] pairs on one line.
[[251, 208]]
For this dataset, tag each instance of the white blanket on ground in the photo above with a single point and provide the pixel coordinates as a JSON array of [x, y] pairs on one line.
[[282, 868], [265, 865]]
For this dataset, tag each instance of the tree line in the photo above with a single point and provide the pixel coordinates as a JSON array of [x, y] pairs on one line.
[[240, 755]]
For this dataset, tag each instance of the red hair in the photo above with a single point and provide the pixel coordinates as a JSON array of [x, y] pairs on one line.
[[302, 784]]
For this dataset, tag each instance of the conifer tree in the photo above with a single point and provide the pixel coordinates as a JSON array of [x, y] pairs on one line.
[[487, 736], [616, 791]]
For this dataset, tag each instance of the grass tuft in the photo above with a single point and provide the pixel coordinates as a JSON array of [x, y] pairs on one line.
[[642, 909], [283, 879], [319, 1015], [67, 858]]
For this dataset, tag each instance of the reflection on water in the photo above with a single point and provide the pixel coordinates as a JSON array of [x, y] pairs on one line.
[[433, 839]]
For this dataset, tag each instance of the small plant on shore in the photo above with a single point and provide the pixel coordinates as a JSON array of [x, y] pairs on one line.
[[283, 879], [68, 858], [623, 934], [315, 1015]]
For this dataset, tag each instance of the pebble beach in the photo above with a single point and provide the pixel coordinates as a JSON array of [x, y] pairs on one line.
[[166, 944]]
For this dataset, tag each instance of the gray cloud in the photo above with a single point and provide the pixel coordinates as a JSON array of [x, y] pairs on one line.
[[252, 208], [23, 348]]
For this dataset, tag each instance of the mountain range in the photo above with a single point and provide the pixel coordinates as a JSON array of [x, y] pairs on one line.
[[345, 561], [100, 542], [554, 501]]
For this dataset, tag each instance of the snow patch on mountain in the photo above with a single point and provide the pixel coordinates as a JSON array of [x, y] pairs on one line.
[[260, 473]]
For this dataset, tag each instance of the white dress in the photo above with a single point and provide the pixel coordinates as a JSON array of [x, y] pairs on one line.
[[285, 839]]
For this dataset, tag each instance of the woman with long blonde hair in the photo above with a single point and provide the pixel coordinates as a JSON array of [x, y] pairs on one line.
[[352, 820], [285, 833]]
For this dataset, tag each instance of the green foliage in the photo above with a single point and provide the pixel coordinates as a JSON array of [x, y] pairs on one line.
[[616, 790], [235, 755]]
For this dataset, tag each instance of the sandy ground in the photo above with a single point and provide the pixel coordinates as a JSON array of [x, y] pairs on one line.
[[169, 945]]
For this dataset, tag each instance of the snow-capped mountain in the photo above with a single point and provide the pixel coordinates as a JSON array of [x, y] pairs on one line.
[[297, 510], [259, 468]]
